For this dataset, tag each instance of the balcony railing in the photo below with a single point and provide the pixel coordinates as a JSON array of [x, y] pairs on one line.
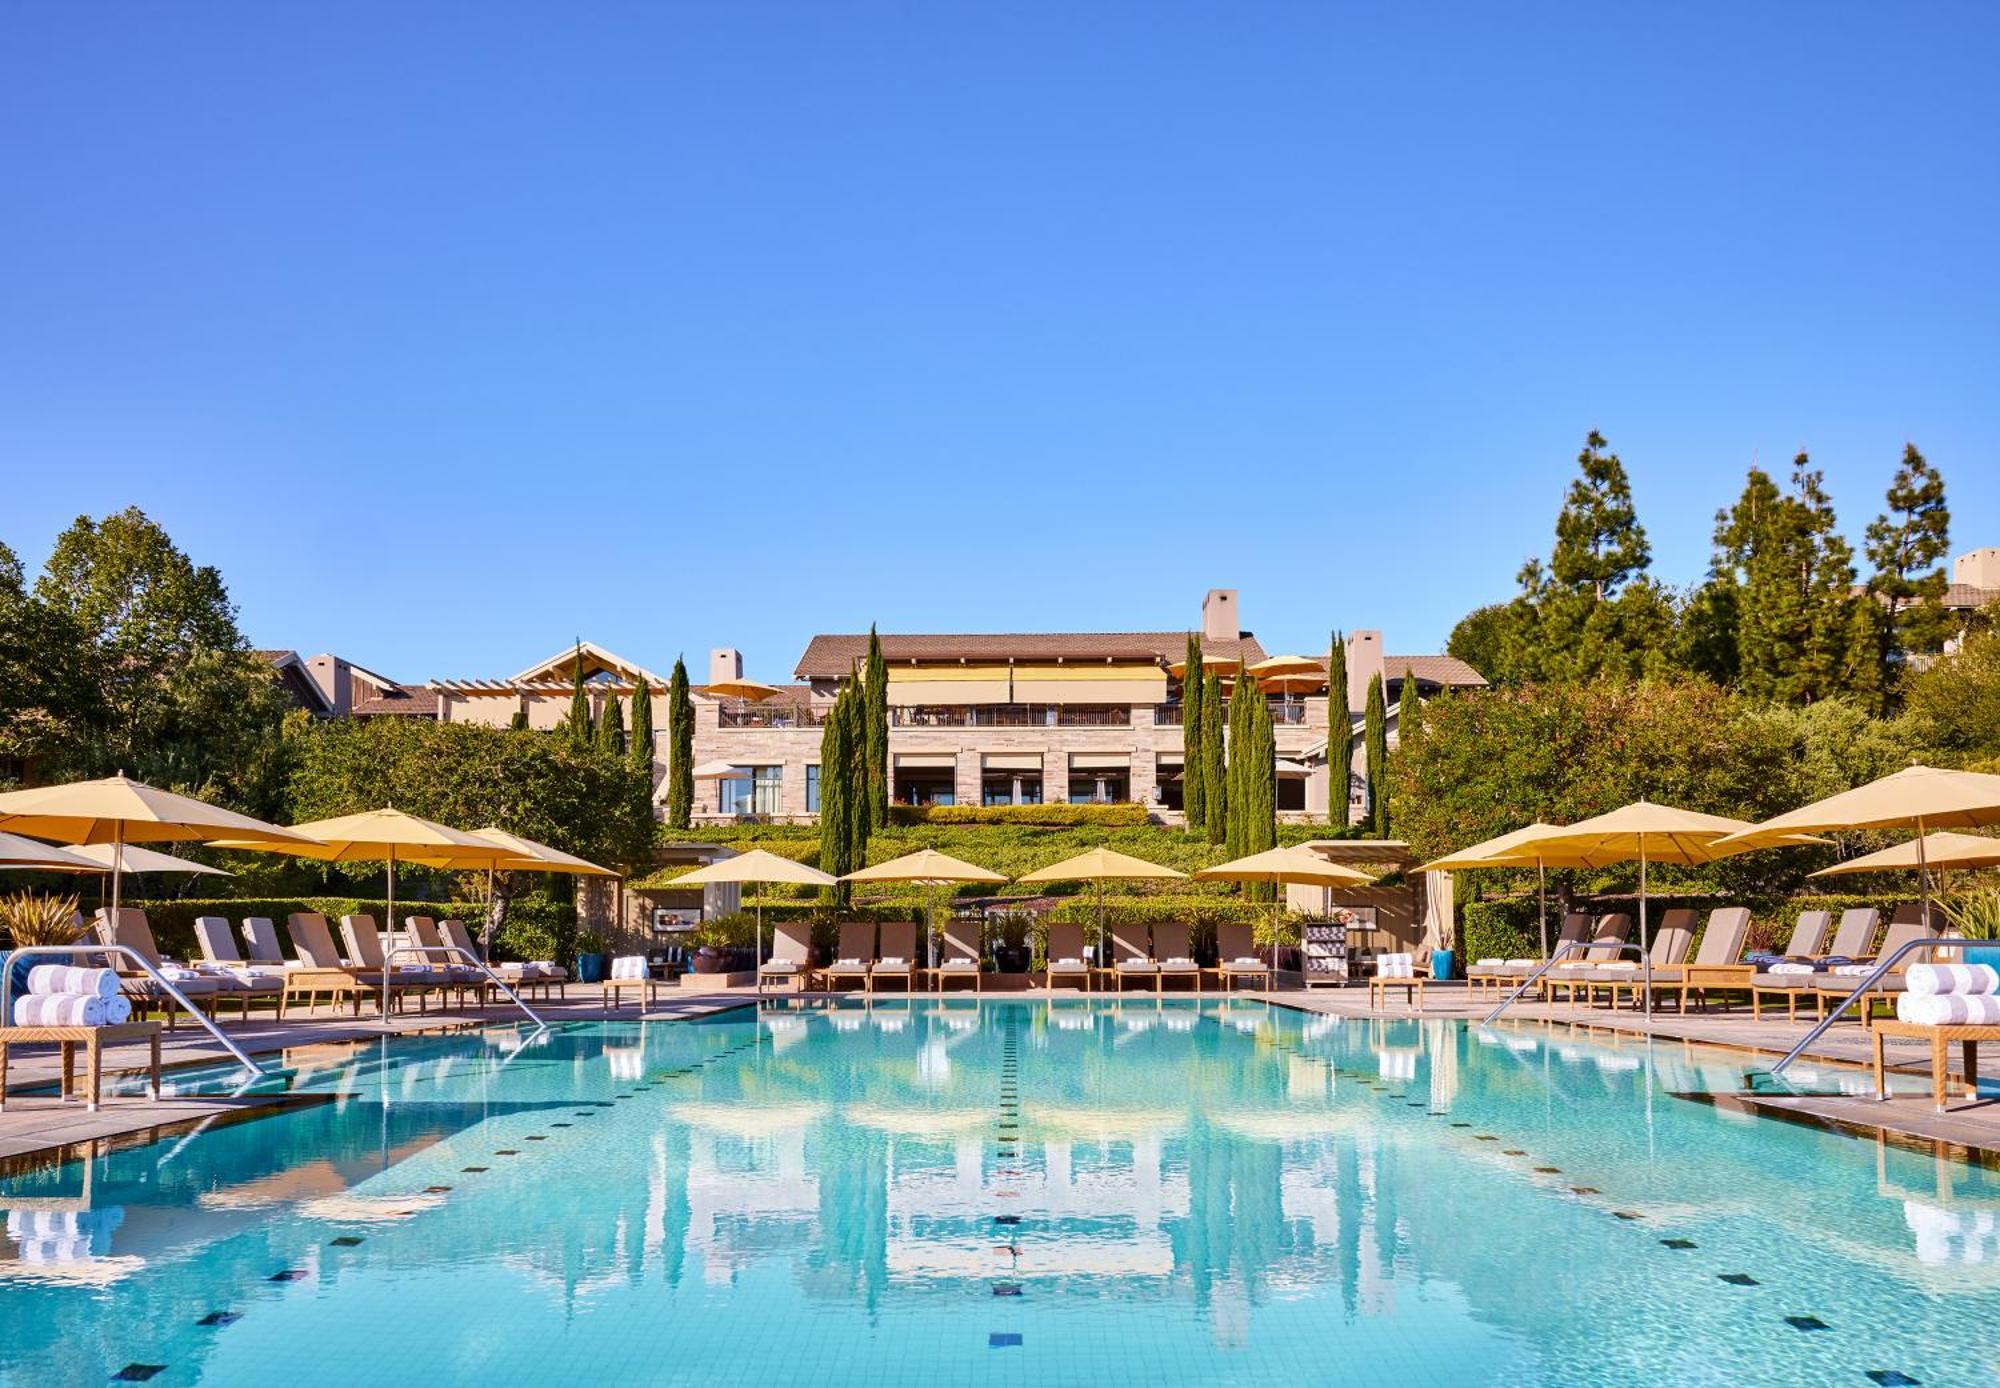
[[760, 716], [1011, 716], [1284, 712]]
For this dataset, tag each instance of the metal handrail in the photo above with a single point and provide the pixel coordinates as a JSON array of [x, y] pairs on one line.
[[389, 953], [124, 952], [1881, 968], [1645, 960]]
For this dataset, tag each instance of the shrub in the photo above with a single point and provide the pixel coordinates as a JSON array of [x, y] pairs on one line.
[[1121, 816]]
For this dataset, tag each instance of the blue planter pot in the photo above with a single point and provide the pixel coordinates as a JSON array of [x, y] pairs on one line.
[[1441, 961], [590, 967]]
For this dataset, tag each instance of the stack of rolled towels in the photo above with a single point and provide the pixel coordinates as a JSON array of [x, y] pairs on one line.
[[629, 966], [1936, 995], [1395, 966], [66, 995]]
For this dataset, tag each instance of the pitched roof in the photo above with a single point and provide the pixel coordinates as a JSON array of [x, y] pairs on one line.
[[833, 655], [1432, 669], [1965, 597], [403, 703], [561, 665]]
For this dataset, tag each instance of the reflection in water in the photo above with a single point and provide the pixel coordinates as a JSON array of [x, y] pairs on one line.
[[1233, 1187]]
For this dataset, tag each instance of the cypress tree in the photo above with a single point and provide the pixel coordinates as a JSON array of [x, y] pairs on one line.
[[836, 793], [1215, 791], [1375, 737], [680, 749], [1260, 774], [1194, 799], [519, 722], [610, 736], [579, 704], [642, 729], [1409, 712], [1907, 544], [860, 819], [877, 734], [1339, 734]]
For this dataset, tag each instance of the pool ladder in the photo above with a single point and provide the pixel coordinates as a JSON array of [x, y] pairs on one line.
[[122, 952], [1645, 962], [1881, 968]]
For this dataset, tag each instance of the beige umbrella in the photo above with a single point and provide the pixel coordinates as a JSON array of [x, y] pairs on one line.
[[1527, 847], [106, 857], [1921, 798], [1940, 850], [529, 856], [1289, 674], [1284, 866], [717, 771], [757, 865], [1224, 666], [930, 868], [118, 810], [34, 856], [750, 691], [1653, 833], [1100, 865], [387, 835]]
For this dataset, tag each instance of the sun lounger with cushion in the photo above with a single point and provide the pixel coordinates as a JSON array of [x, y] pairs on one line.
[[1066, 959], [221, 957], [853, 955], [1236, 956], [898, 958], [1718, 962], [1172, 955], [1608, 936], [1806, 955], [1493, 975], [322, 972], [128, 926], [960, 957], [1132, 953], [1906, 925], [1673, 938], [790, 964]]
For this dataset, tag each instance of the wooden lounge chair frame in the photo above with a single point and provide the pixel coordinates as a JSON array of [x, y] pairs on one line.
[[1851, 937], [857, 942], [1717, 966], [1132, 955], [1190, 971], [897, 940], [1234, 941], [794, 964], [956, 952], [1063, 937]]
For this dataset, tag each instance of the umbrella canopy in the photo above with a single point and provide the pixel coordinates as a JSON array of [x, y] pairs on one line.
[[1224, 665], [1099, 865], [1287, 865], [1943, 850], [758, 865], [1289, 674], [530, 856], [17, 852], [752, 690], [109, 857], [925, 865], [718, 771], [1525, 847], [1924, 797]]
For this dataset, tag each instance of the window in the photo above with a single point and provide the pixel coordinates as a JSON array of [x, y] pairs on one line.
[[1010, 788], [1099, 787], [761, 792], [812, 790]]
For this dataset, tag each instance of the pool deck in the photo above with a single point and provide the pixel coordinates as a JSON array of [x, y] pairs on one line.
[[42, 1123]]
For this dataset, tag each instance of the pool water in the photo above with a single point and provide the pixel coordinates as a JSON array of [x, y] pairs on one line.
[[1005, 1192]]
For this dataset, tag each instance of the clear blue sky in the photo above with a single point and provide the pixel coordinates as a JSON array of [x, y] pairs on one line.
[[451, 332]]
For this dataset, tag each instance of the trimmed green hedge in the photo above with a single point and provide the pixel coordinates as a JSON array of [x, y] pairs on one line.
[[1103, 816], [537, 927]]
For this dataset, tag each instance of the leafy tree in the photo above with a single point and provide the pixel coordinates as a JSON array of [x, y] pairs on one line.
[[578, 724], [680, 749], [1339, 733], [610, 734], [180, 699], [642, 731], [48, 702], [1907, 545], [876, 748], [1409, 712], [1215, 789], [1194, 787], [1481, 640], [1952, 706], [1375, 738]]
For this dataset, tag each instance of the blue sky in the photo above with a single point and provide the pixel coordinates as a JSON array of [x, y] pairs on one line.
[[452, 332]]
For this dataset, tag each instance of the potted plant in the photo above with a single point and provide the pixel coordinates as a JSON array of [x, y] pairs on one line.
[[592, 961], [28, 920], [1445, 953], [1976, 916]]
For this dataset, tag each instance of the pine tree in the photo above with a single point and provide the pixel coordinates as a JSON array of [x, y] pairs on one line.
[[1339, 733], [578, 724], [877, 739], [1215, 789], [642, 728], [1409, 712], [610, 735], [1194, 797], [680, 749], [1907, 544], [1600, 544], [1375, 737]]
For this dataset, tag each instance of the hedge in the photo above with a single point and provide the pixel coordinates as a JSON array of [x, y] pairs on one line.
[[537, 927], [1122, 816]]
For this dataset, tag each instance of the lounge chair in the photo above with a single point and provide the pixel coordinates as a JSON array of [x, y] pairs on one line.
[[1174, 958], [791, 957], [1717, 964], [853, 956], [523, 978], [221, 957], [898, 958], [322, 972], [128, 926], [1806, 954], [449, 969], [1066, 959], [1236, 956], [1493, 975], [260, 939], [1905, 925], [1607, 942], [1672, 939], [366, 949], [961, 957], [1132, 949]]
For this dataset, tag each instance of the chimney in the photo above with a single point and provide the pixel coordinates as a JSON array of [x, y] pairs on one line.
[[1978, 569], [724, 663], [1364, 663], [336, 686], [1218, 616]]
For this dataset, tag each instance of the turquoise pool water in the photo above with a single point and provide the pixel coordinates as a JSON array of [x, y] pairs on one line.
[[1009, 1193]]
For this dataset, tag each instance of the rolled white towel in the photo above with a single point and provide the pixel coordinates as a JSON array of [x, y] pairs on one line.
[[629, 966], [117, 1011], [1250, 960], [1949, 1009], [1395, 966], [891, 961], [1488, 963], [1929, 980], [1851, 970], [1180, 959], [60, 1010], [1066, 959], [69, 978], [1792, 969]]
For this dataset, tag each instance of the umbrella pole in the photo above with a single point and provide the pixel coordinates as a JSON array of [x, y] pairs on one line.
[[486, 935], [117, 872], [1542, 910], [383, 939], [1923, 876], [1645, 945]]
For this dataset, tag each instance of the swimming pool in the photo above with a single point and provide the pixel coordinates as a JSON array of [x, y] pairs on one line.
[[1004, 1192]]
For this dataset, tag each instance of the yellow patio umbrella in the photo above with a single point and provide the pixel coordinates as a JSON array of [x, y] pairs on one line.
[[528, 856], [1284, 866], [1940, 850], [1101, 865], [1653, 833], [1920, 798], [1224, 666], [388, 835], [34, 856], [108, 858], [1524, 847], [930, 868], [758, 865], [1289, 674], [118, 810], [750, 691]]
